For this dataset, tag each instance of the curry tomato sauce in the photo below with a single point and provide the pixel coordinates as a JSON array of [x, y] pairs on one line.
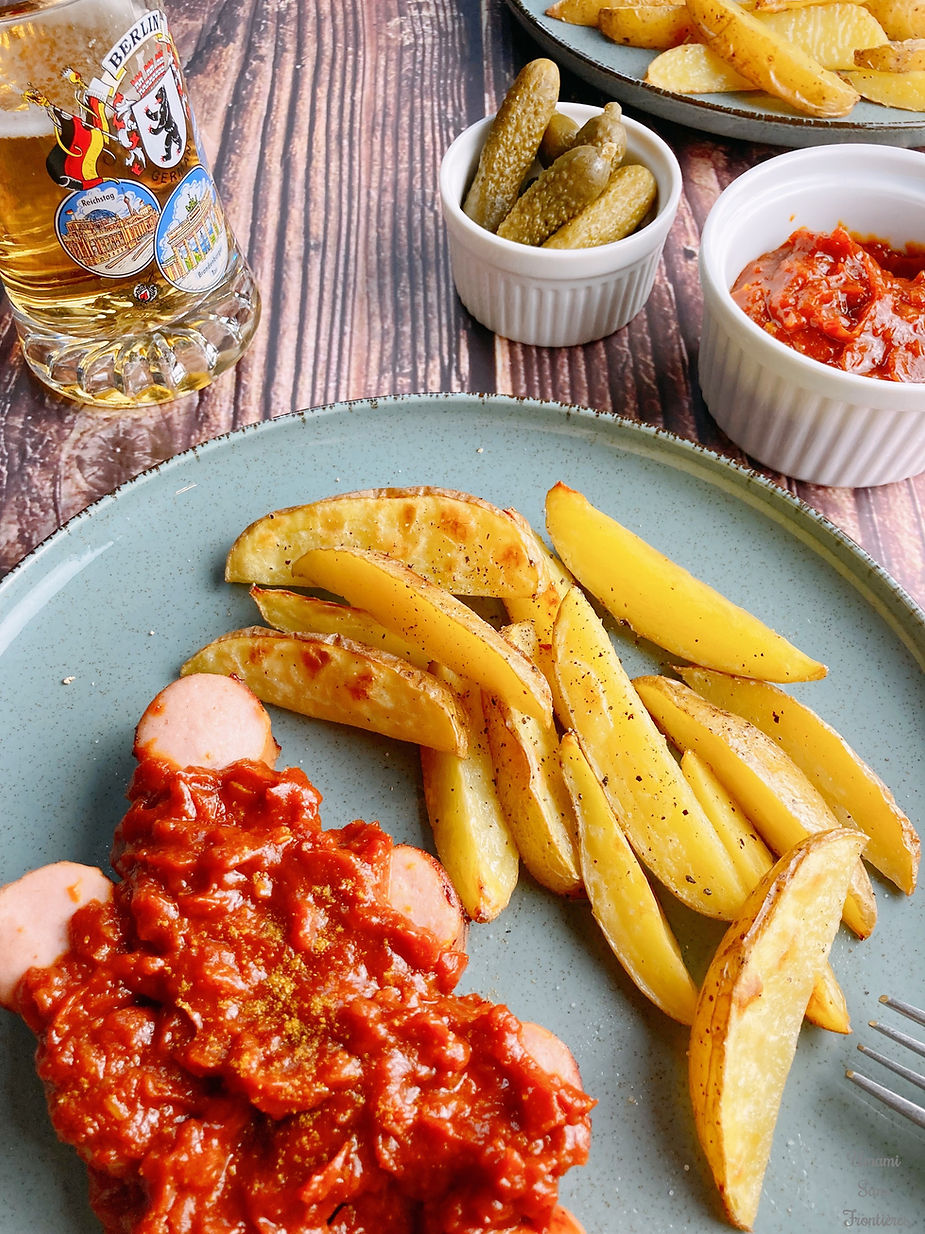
[[854, 304], [250, 1038]]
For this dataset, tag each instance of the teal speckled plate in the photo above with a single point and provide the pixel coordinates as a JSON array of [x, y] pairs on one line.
[[101, 615], [620, 72]]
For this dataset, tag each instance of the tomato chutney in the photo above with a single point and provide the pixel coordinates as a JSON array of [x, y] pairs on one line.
[[854, 304]]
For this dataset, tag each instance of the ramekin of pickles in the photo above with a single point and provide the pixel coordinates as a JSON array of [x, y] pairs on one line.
[[556, 214]]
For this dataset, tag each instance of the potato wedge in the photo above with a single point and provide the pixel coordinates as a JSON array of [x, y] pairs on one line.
[[771, 62], [830, 33], [747, 851], [295, 613], [855, 794], [541, 610], [905, 91], [899, 56], [623, 903], [555, 581], [435, 621], [827, 1007], [781, 6], [331, 678], [471, 833], [774, 793], [655, 26], [459, 541], [577, 12], [692, 68], [532, 792], [656, 808], [662, 601], [901, 19], [751, 1006]]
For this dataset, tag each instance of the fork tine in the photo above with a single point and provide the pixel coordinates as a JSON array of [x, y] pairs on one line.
[[906, 1072], [894, 1101], [915, 1113], [906, 1009], [902, 1038]]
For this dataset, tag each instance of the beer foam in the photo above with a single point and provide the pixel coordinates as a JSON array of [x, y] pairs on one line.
[[26, 122]]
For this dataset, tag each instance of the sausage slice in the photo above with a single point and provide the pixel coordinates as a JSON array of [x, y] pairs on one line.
[[34, 915], [563, 1222], [550, 1052], [206, 720], [419, 888]]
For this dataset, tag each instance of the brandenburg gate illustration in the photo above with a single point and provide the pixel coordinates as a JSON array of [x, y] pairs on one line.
[[192, 238]]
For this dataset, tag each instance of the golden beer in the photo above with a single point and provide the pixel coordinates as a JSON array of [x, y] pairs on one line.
[[126, 284]]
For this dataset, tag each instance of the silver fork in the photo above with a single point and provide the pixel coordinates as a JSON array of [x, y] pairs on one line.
[[901, 1104]]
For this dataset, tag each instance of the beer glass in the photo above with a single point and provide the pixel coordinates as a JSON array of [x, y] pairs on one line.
[[126, 284]]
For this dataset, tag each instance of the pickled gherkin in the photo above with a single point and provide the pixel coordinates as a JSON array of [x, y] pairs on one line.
[[544, 179], [615, 213], [574, 179], [512, 143], [563, 133], [604, 129], [559, 137]]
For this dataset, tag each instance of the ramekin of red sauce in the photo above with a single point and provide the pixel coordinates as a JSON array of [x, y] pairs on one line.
[[854, 303], [812, 353]]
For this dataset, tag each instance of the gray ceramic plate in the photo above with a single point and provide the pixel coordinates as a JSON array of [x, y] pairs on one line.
[[620, 72], [101, 615]]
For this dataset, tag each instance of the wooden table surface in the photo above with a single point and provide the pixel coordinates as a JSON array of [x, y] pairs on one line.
[[325, 124]]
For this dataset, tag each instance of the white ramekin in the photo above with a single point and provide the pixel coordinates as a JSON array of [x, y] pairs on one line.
[[799, 416], [555, 297]]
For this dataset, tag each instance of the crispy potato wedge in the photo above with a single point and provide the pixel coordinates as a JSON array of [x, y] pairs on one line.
[[656, 807], [431, 618], [692, 68], [905, 91], [471, 832], [751, 1006], [295, 613], [662, 601], [855, 794], [830, 33], [532, 792], [654, 26], [827, 1007], [577, 12], [331, 678], [747, 851], [459, 541], [555, 581], [623, 903], [771, 62], [901, 19], [899, 56], [774, 793], [533, 798], [541, 610], [781, 6]]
